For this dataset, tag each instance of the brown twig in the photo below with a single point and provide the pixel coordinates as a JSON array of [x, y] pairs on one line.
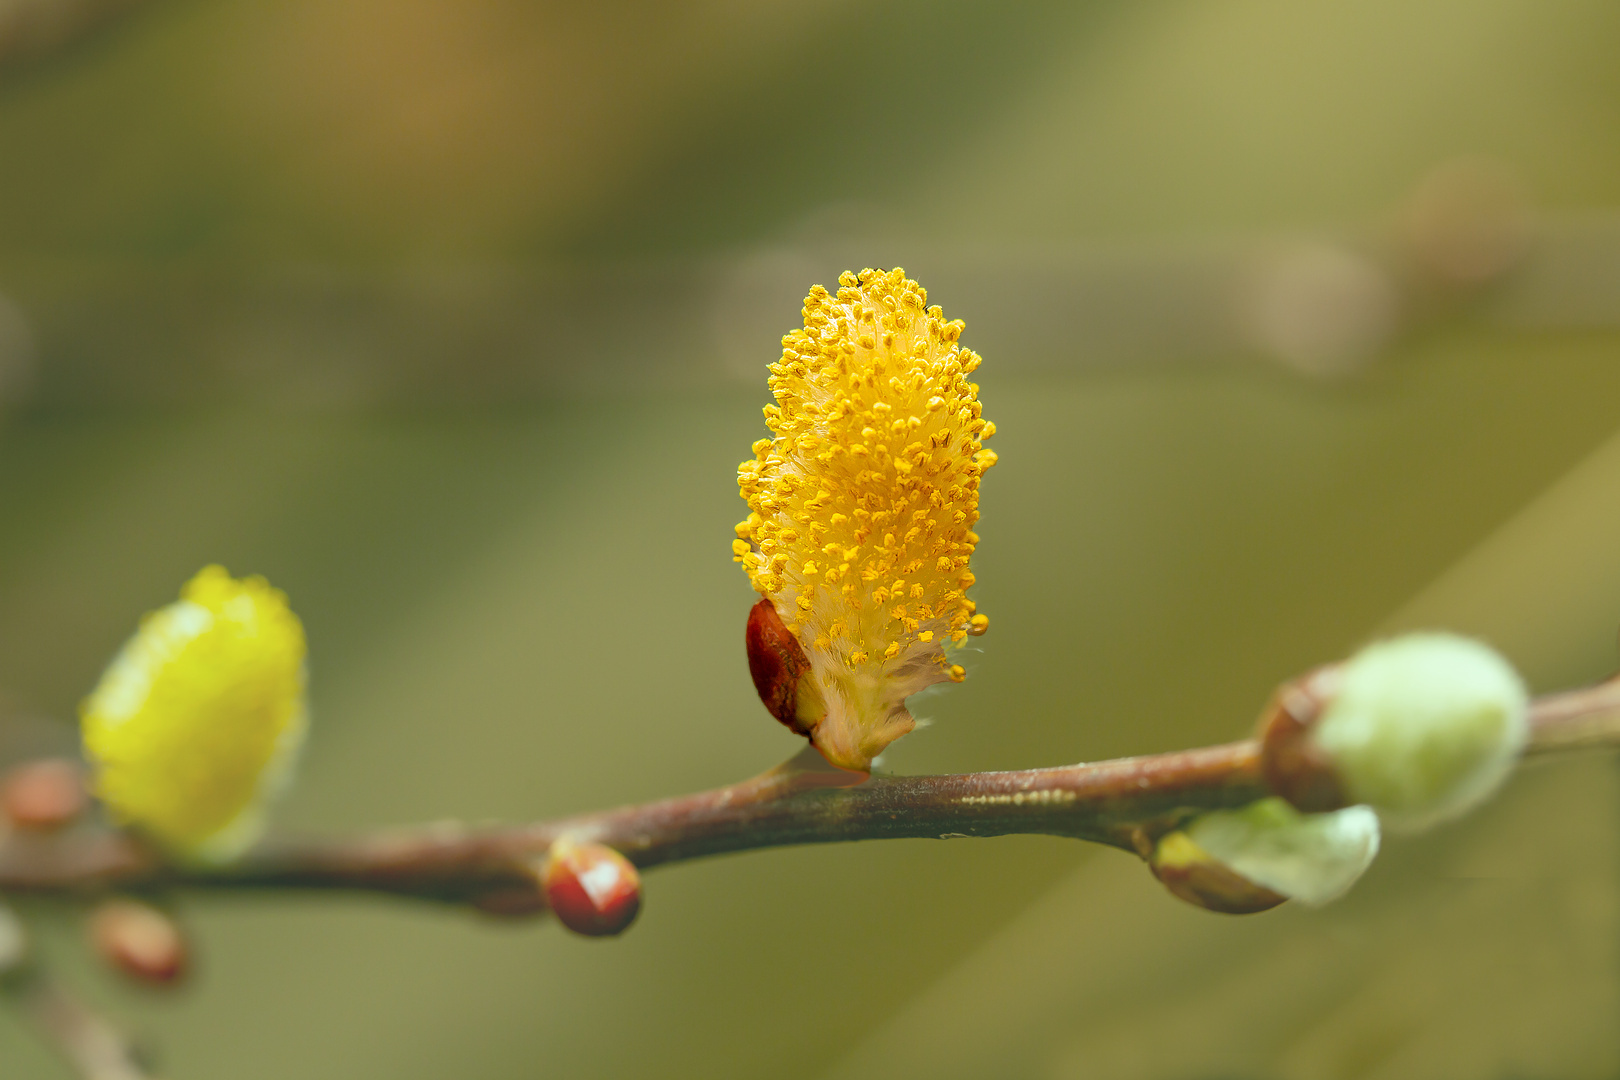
[[1110, 802]]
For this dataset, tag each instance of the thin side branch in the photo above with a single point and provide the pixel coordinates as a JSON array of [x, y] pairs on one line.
[[1111, 802], [92, 1045]]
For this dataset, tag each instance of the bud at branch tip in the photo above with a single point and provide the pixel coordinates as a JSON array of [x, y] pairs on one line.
[[1422, 728]]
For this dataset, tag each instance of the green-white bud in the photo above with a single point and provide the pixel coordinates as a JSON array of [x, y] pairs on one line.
[[1423, 727], [1313, 858]]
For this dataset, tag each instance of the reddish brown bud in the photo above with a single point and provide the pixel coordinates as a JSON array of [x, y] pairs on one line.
[[43, 795], [777, 662], [140, 941], [1292, 764], [592, 889], [1195, 876]]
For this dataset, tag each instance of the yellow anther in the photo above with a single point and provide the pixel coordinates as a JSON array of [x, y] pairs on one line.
[[978, 624], [740, 548], [957, 672]]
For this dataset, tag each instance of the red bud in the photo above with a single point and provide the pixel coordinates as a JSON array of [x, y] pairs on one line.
[[43, 795], [777, 662], [592, 889], [140, 941]]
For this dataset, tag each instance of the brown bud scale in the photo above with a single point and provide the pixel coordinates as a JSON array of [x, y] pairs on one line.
[[1191, 874], [1218, 888], [777, 662], [1291, 762]]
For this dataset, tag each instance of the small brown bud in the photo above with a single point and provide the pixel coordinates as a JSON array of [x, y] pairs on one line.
[[1195, 876], [43, 795], [777, 662], [1292, 764], [592, 889], [140, 941]]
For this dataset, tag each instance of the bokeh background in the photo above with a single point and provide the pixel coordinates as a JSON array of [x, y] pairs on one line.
[[1301, 324]]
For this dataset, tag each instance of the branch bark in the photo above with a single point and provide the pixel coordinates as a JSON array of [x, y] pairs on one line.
[[1111, 802]]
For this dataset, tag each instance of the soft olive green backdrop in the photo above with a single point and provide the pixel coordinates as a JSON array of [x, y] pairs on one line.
[[282, 264]]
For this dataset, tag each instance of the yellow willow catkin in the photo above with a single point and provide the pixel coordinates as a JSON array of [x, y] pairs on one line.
[[863, 505], [198, 718]]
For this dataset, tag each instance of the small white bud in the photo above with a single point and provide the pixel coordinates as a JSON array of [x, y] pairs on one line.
[[1424, 727], [1313, 858]]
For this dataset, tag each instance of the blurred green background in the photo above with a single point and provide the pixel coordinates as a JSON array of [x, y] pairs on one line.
[[1301, 323]]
